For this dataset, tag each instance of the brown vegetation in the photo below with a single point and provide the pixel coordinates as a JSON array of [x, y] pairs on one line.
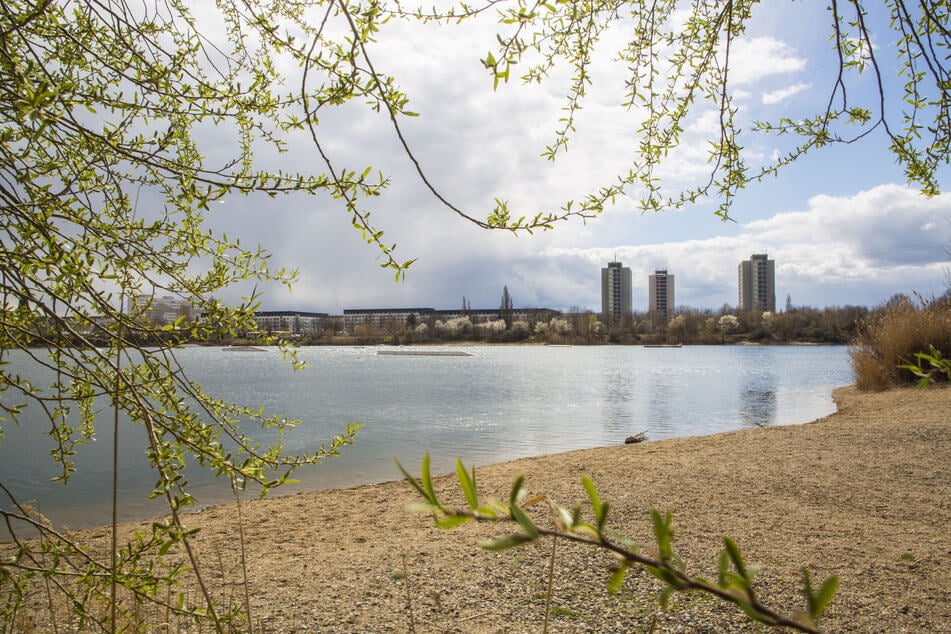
[[893, 336]]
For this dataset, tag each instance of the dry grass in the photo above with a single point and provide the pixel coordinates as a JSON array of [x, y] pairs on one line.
[[893, 336]]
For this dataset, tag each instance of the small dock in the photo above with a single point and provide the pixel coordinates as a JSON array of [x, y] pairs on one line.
[[424, 353]]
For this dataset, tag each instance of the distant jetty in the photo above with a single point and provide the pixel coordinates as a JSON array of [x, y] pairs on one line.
[[426, 353]]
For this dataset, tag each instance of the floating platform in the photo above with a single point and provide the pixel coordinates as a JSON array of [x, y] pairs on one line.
[[425, 353]]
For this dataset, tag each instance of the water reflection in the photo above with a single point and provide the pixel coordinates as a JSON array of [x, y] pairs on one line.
[[618, 390], [758, 406], [660, 394]]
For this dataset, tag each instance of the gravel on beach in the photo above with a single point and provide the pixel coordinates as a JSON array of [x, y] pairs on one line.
[[864, 494]]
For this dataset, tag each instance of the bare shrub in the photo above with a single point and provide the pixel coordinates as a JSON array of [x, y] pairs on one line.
[[893, 336]]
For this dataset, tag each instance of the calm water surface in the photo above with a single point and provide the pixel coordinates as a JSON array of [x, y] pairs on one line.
[[498, 404]]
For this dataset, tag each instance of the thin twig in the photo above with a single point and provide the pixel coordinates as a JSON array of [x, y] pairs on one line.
[[409, 597], [551, 576]]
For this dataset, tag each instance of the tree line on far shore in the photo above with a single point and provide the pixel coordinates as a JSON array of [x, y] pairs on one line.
[[689, 326], [836, 325]]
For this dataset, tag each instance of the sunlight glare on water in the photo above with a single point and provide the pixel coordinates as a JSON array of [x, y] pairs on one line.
[[497, 404]]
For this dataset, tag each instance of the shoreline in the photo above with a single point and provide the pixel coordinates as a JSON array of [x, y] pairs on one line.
[[864, 493]]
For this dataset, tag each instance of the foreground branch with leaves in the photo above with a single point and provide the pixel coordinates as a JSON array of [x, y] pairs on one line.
[[106, 177], [122, 123], [928, 366], [734, 582]]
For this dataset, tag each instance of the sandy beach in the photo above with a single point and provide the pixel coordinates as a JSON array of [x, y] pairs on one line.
[[864, 494]]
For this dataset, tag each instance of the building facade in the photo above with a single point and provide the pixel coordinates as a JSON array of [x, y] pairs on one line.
[[660, 288], [757, 284], [290, 322], [617, 294], [160, 311], [378, 317]]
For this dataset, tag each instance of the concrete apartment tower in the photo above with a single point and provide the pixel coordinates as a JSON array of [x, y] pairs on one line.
[[617, 295], [757, 284], [660, 288]]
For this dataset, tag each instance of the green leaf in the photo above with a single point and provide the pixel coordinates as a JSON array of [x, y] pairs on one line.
[[734, 553], [752, 613], [628, 543], [412, 480], [825, 596], [585, 529], [451, 521], [422, 507], [504, 543], [807, 587], [516, 492], [617, 578], [565, 518], [665, 597], [819, 601], [468, 485], [524, 521], [723, 570], [663, 533], [604, 516], [666, 575], [428, 479], [595, 500], [487, 510]]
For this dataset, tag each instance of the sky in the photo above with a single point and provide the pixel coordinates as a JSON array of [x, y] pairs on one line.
[[841, 224]]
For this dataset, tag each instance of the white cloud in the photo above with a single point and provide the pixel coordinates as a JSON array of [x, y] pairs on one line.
[[476, 144], [858, 249], [759, 57], [782, 94], [887, 225]]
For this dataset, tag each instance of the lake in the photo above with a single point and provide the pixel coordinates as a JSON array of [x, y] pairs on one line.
[[496, 404]]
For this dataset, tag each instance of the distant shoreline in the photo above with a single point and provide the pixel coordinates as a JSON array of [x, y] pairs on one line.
[[430, 344]]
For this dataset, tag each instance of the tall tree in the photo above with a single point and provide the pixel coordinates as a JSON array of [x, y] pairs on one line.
[[506, 308]]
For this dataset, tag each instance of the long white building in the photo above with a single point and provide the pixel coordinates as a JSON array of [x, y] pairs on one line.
[[293, 322]]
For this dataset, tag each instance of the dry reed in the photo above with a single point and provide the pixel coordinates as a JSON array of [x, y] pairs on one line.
[[893, 336]]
